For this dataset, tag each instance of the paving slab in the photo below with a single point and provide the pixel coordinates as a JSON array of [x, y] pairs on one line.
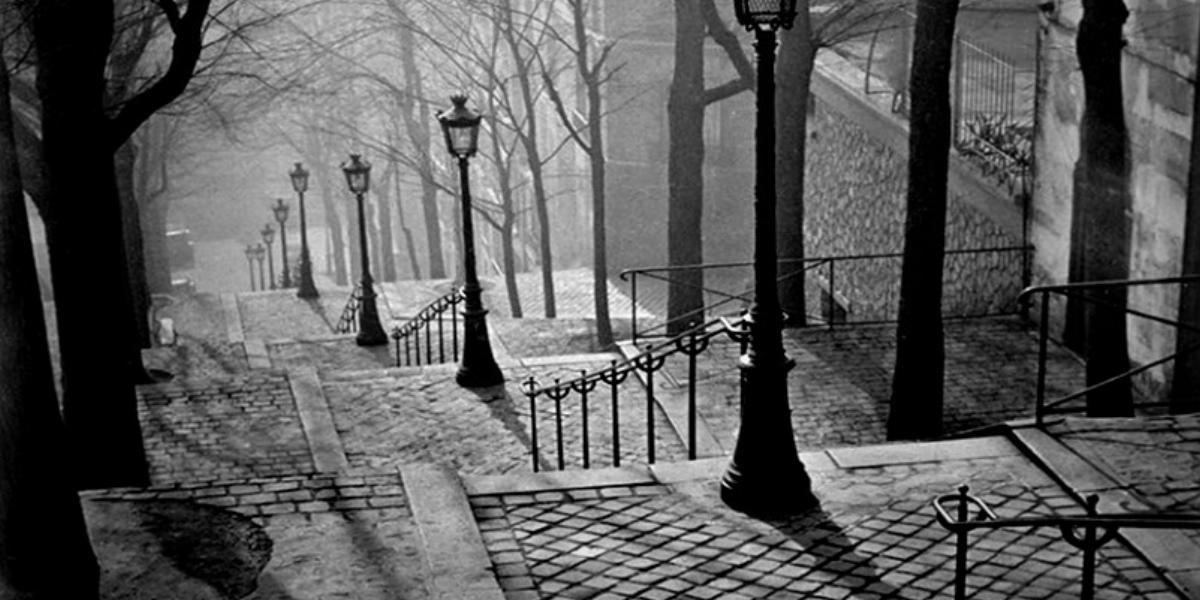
[[873, 537]]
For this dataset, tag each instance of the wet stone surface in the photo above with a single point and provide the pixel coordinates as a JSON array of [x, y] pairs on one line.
[[204, 430], [874, 537]]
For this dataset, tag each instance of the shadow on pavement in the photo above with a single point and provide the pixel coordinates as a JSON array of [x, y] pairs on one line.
[[820, 535]]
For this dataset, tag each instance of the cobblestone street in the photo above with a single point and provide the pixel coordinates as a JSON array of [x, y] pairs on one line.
[[874, 537]]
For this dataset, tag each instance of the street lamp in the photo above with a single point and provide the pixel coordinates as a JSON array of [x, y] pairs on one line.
[[765, 476], [268, 236], [478, 367], [259, 254], [250, 263], [370, 331], [281, 213], [307, 289]]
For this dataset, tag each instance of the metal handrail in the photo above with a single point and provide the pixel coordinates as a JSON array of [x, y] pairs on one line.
[[1075, 290], [346, 322], [814, 262], [410, 332], [1097, 530], [690, 343]]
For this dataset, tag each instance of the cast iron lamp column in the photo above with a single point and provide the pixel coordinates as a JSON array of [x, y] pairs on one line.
[[765, 476], [478, 368], [268, 236], [250, 264], [308, 289], [370, 331], [259, 254], [281, 214]]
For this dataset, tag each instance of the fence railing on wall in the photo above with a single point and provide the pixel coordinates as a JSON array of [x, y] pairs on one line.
[[843, 290], [992, 99]]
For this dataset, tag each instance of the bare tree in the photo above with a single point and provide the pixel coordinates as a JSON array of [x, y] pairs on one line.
[[44, 548], [916, 403]]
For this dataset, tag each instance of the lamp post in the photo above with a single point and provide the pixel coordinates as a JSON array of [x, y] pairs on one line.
[[370, 331], [307, 289], [478, 367], [268, 236], [250, 264], [765, 476], [281, 213], [259, 254]]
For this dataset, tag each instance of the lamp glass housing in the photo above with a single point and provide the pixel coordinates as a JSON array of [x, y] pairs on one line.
[[765, 14], [268, 233], [299, 176], [461, 127], [358, 174], [281, 210]]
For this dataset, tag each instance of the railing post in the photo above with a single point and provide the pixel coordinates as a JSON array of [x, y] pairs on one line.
[[692, 346], [832, 298], [454, 326], [417, 342], [396, 338], [557, 394], [649, 363], [960, 552], [583, 385], [531, 393], [633, 311], [1043, 333], [441, 335], [956, 109], [613, 377], [1089, 551]]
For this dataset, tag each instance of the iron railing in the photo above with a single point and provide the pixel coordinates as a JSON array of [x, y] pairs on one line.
[[1078, 291], [992, 101], [861, 288], [409, 334], [690, 344], [348, 322], [722, 302], [1097, 530]]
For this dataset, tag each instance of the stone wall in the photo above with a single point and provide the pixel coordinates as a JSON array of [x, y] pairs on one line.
[[855, 189], [1156, 64]]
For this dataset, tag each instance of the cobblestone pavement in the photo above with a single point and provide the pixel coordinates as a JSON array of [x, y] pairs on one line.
[[1157, 459], [388, 419], [330, 355], [874, 537], [204, 430], [280, 314], [333, 537], [841, 385], [551, 337]]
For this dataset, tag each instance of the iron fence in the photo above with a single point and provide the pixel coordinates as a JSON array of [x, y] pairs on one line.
[[348, 322], [839, 290], [690, 344], [407, 337]]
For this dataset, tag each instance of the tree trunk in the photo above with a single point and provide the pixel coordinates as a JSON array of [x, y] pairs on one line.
[[44, 547], [1102, 193], [373, 235], [131, 220], [84, 234], [1185, 384], [685, 170], [916, 402], [796, 56], [409, 246], [510, 263], [333, 224], [416, 121], [154, 236], [386, 246]]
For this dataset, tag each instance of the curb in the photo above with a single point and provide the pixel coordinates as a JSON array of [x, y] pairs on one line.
[[1174, 554], [458, 563]]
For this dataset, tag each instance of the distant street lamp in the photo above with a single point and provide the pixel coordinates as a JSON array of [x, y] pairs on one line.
[[268, 236], [250, 263], [307, 289], [478, 367], [259, 254], [370, 331], [765, 476], [281, 213]]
